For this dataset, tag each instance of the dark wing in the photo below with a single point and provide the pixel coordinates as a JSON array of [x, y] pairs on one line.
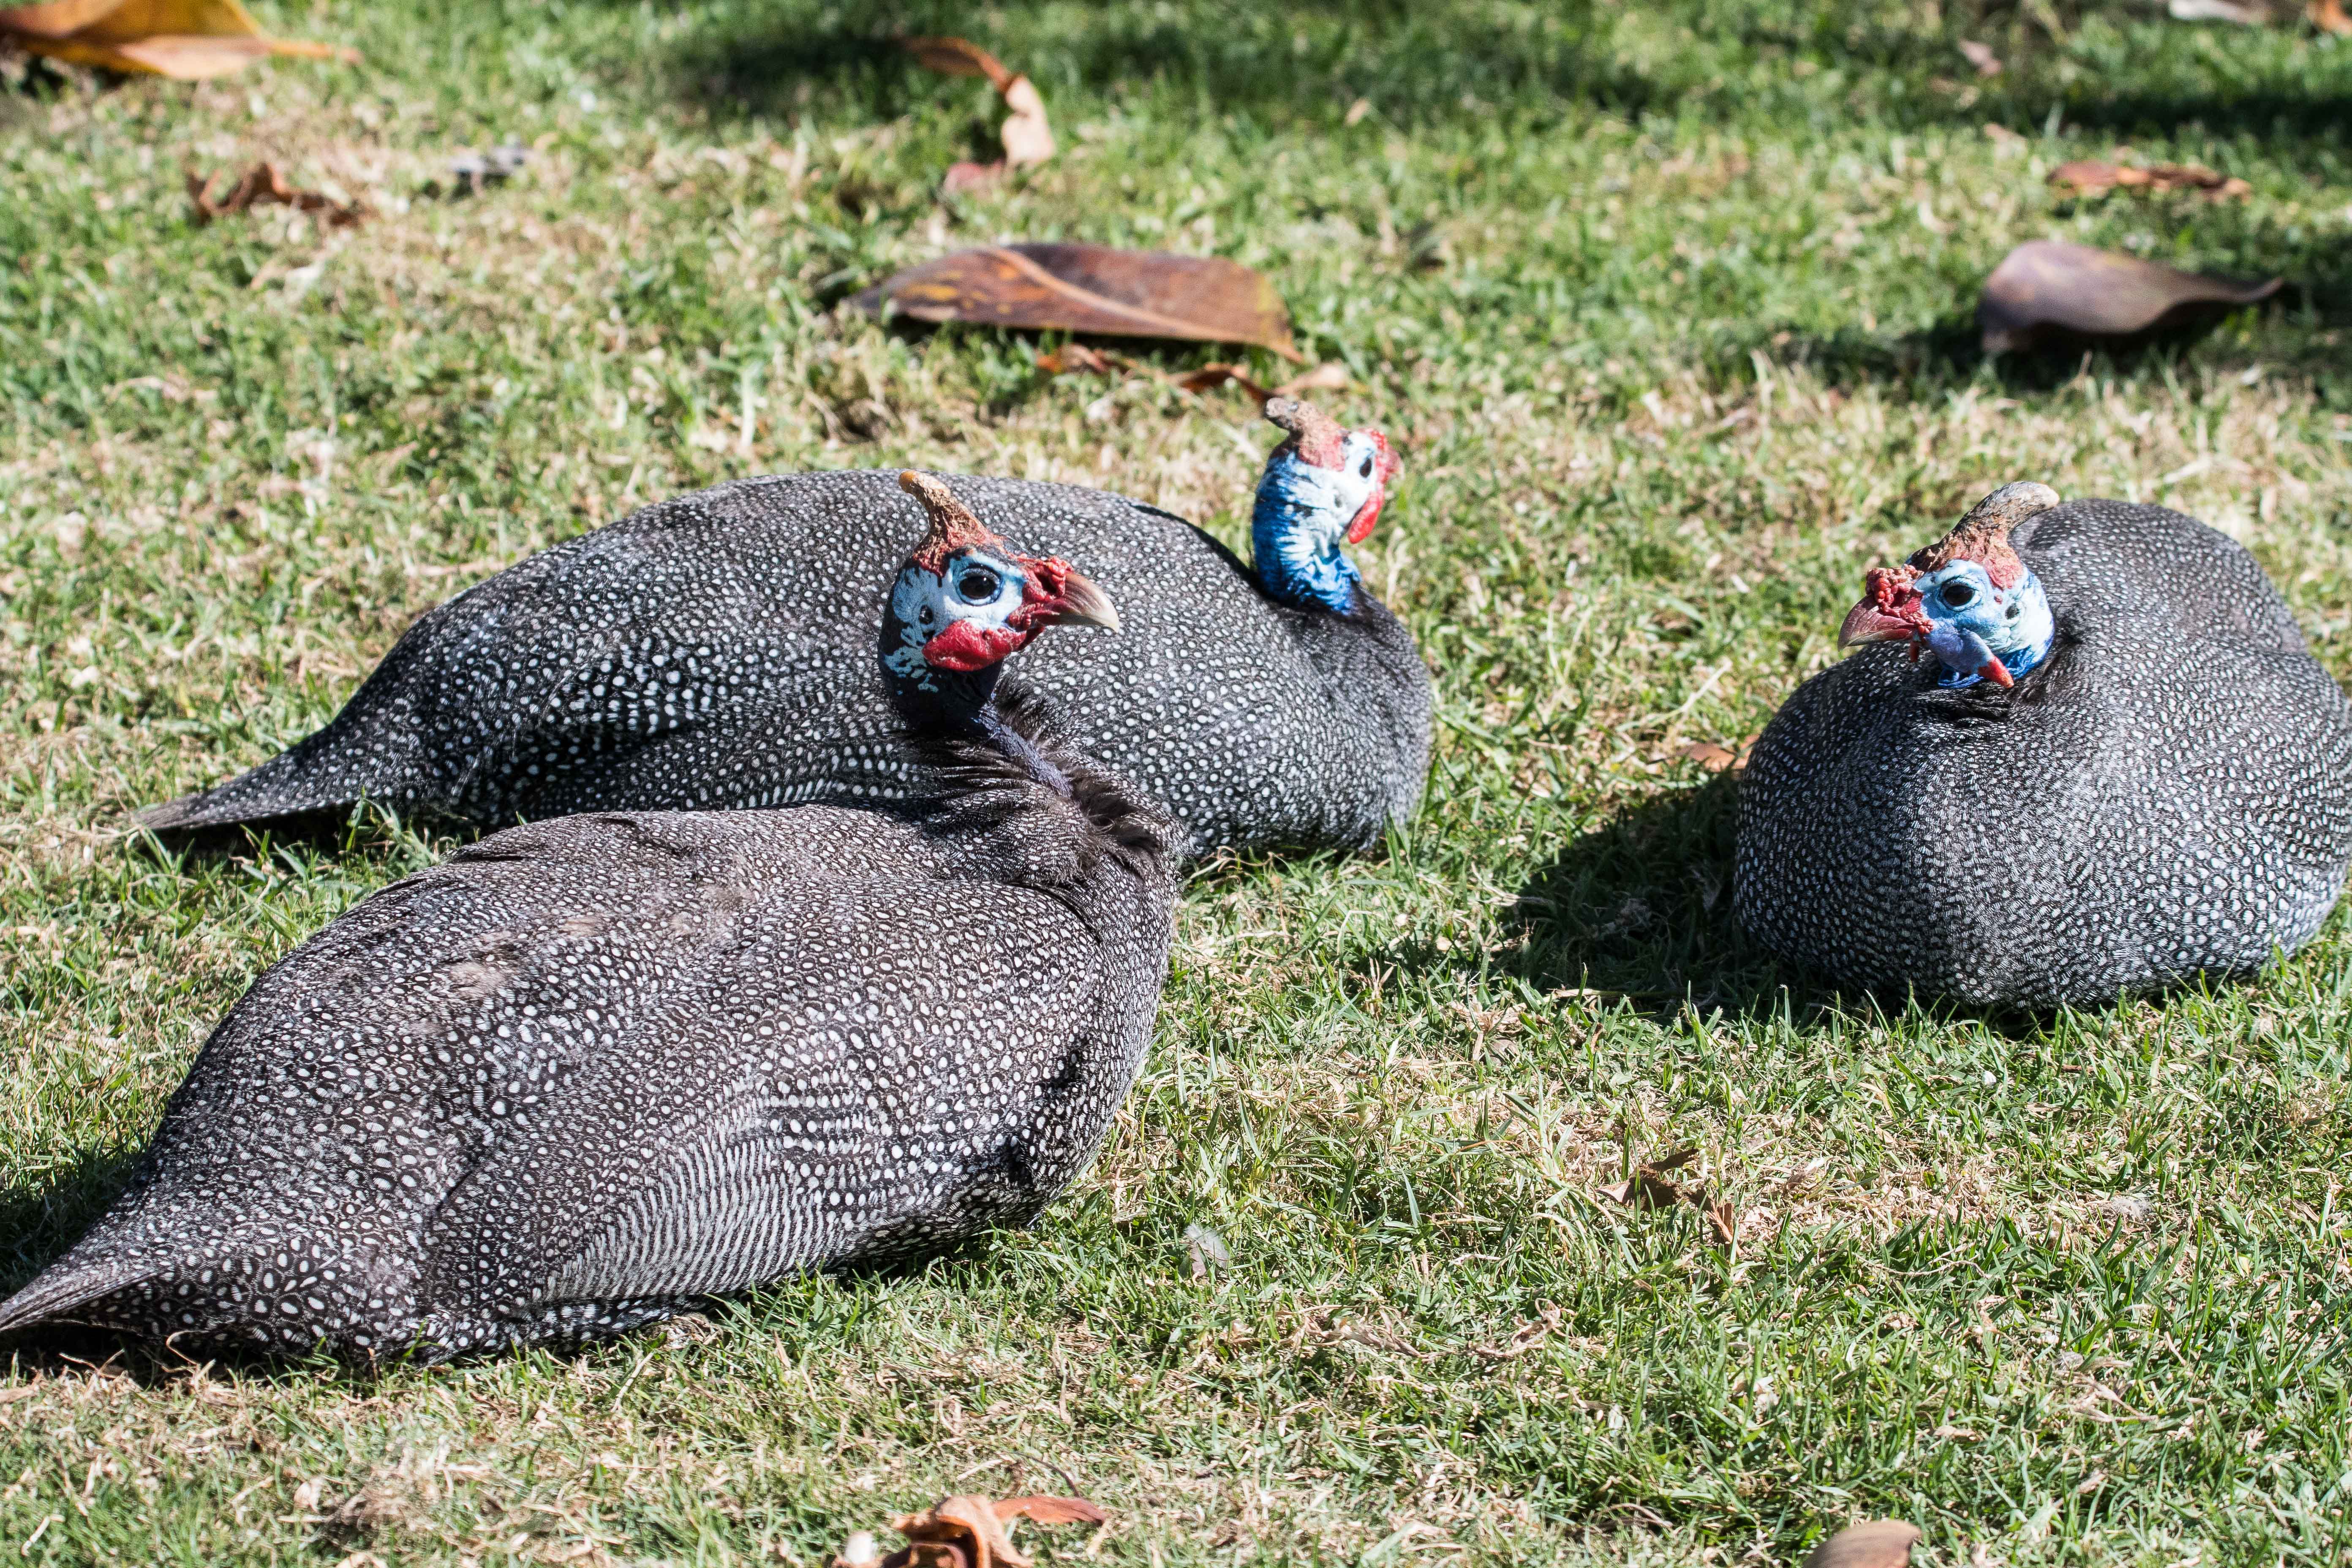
[[869, 1055]]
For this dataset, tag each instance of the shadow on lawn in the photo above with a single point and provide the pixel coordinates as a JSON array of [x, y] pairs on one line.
[[2302, 331], [1642, 905], [1410, 60]]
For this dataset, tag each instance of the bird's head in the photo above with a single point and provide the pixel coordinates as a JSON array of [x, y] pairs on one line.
[[1323, 488], [965, 601], [1966, 598]]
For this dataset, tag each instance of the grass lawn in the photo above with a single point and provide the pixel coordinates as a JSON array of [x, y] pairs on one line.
[[1668, 309]]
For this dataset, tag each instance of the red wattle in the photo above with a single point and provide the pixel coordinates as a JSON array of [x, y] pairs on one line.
[[965, 646], [1361, 529]]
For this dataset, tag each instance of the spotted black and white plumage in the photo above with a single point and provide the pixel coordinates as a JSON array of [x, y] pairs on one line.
[[597, 1070], [2168, 791], [713, 652]]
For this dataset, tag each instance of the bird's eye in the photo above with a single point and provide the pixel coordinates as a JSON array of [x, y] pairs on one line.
[[1365, 472], [1960, 595], [927, 616], [978, 584]]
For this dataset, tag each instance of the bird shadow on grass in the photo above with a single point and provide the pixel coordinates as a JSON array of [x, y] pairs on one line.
[[1641, 907], [1949, 351], [2300, 332]]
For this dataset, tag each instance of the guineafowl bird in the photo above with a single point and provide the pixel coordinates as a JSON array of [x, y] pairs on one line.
[[595, 1069], [708, 652], [2115, 766]]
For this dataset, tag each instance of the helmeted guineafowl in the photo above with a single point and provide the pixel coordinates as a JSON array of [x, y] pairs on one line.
[[597, 1068], [2116, 767], [709, 653]]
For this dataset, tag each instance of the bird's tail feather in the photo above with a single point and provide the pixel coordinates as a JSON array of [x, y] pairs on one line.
[[67, 1287]]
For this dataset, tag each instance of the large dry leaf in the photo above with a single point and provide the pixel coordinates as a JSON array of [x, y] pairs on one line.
[[1093, 289], [2048, 287], [188, 40], [1981, 57], [1876, 1544]]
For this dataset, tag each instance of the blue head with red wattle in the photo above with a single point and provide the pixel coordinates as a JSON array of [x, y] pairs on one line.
[[1966, 598], [964, 602], [1323, 489]]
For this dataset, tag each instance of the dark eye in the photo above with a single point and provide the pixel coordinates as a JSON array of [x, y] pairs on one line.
[[1960, 595], [927, 615], [1365, 471], [978, 584]]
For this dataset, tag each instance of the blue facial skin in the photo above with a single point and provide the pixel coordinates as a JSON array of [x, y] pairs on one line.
[[1971, 620], [1299, 526]]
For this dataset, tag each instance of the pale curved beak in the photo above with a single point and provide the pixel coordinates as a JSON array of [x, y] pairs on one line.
[[1084, 604]]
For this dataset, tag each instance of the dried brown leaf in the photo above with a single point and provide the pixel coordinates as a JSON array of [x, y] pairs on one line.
[[967, 175], [969, 1523], [187, 40], [2047, 287], [2329, 16], [1724, 1220], [1877, 1543], [967, 1532], [1051, 1510], [1093, 289], [957, 57], [262, 185], [2089, 177], [1028, 140], [1524, 1338], [1071, 357], [1645, 1189]]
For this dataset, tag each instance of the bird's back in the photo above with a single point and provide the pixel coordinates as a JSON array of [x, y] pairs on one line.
[[715, 651], [593, 1067]]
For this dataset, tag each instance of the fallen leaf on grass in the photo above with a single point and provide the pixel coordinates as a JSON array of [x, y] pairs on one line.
[[263, 185], [187, 40], [1093, 289], [2089, 177], [966, 1532], [1651, 1188], [1981, 55], [1524, 1338], [2048, 287], [1028, 136], [1876, 1544], [1205, 1251], [2329, 16]]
